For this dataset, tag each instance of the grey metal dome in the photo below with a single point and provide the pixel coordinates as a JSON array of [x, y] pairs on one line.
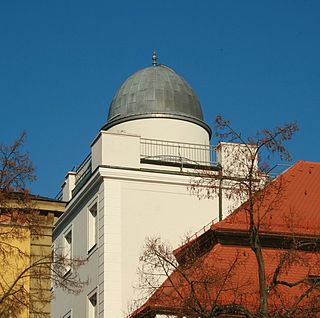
[[155, 92]]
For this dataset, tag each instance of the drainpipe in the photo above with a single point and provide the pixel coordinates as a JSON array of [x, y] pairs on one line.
[[220, 200]]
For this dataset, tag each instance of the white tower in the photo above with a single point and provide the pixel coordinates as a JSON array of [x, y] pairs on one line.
[[134, 184]]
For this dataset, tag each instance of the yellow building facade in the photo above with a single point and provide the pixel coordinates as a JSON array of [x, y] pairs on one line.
[[25, 256]]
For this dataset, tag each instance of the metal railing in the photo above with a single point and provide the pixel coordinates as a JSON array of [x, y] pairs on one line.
[[177, 152], [59, 196], [83, 169], [82, 172], [200, 232], [157, 151]]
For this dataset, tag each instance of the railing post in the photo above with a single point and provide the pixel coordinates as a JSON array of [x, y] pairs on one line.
[[199, 154]]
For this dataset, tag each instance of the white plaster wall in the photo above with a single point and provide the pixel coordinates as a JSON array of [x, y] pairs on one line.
[[112, 249], [64, 301], [101, 243], [164, 129], [157, 209], [116, 149], [235, 158], [125, 151], [132, 205], [137, 205]]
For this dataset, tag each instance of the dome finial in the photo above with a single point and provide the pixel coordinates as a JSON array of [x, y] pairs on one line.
[[154, 58]]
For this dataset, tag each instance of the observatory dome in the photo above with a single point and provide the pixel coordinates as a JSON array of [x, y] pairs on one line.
[[155, 92]]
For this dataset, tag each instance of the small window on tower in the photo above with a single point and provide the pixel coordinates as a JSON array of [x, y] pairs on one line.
[[68, 315], [67, 251], [92, 226], [92, 305]]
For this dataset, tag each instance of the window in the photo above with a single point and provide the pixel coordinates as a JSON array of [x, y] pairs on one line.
[[92, 227], [53, 261], [67, 251], [92, 305], [314, 279], [68, 314]]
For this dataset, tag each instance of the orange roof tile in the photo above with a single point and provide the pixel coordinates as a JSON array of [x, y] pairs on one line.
[[291, 204], [228, 274]]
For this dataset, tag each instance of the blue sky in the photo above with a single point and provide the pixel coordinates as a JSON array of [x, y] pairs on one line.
[[61, 62]]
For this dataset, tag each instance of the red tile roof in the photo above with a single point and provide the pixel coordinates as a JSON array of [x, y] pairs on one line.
[[228, 273], [291, 204]]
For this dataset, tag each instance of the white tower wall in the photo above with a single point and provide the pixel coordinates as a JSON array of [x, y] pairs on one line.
[[135, 200], [164, 129], [132, 205]]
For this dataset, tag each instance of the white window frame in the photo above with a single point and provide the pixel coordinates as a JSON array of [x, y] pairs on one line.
[[92, 226], [53, 260], [92, 310], [67, 250], [68, 314]]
